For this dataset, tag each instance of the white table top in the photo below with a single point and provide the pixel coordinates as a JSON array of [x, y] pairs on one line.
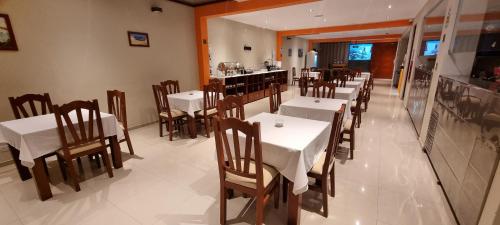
[[188, 101], [307, 108], [294, 148], [38, 136], [358, 85]]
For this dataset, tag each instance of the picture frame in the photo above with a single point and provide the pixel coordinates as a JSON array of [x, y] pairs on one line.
[[301, 52], [138, 39], [289, 52], [7, 37]]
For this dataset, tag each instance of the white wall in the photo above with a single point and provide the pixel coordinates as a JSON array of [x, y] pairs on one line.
[[78, 49], [226, 39], [295, 44]]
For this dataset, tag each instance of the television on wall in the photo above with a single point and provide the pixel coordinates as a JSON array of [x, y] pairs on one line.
[[360, 52], [431, 47]]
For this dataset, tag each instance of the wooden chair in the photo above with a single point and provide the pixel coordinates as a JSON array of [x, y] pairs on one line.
[[323, 89], [303, 86], [243, 173], [366, 95], [370, 82], [80, 140], [170, 117], [38, 105], [117, 107], [171, 86], [231, 106], [294, 76], [325, 167], [214, 80], [211, 94], [356, 108], [349, 128], [274, 97]]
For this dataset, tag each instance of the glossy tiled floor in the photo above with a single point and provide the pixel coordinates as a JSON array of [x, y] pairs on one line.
[[390, 182]]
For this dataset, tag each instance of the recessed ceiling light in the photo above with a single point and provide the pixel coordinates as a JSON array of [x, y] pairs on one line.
[[310, 10], [324, 19], [389, 6]]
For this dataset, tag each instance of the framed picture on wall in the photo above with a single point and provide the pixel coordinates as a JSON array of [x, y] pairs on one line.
[[289, 52], [138, 39], [301, 53], [7, 39]]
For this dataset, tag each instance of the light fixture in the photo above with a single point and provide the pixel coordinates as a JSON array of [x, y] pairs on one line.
[[324, 20], [389, 6], [156, 9], [310, 10]]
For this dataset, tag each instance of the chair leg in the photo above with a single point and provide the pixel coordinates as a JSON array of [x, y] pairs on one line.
[[73, 174], [160, 125], [107, 162], [62, 167], [352, 144], [359, 118], [129, 143], [259, 202], [170, 130], [332, 181], [324, 190], [45, 167], [223, 206], [285, 189], [206, 126], [97, 160], [277, 196]]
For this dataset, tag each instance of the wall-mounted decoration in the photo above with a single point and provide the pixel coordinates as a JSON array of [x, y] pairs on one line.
[[138, 39], [247, 48], [7, 39], [301, 53], [289, 52]]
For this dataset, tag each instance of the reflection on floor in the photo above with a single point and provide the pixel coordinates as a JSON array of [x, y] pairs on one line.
[[390, 182]]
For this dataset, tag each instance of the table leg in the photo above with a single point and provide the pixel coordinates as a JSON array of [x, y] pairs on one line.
[[23, 171], [191, 126], [41, 180], [294, 206], [116, 153]]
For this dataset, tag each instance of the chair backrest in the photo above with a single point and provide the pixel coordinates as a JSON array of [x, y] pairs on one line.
[[231, 106], [211, 94], [78, 117], [274, 97], [160, 94], [171, 86], [303, 85], [238, 159], [214, 80], [334, 140], [117, 106], [323, 89], [340, 79], [43, 101], [304, 73], [351, 74]]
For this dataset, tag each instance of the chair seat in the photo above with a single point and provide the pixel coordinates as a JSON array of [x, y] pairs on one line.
[[348, 125], [82, 148], [268, 173], [318, 167], [209, 112], [174, 112]]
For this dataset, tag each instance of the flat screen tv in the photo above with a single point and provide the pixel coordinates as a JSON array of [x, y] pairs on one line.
[[431, 48], [360, 52]]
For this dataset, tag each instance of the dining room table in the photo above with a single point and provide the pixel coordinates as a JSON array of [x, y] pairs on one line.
[[366, 75], [357, 85], [340, 93], [322, 109], [292, 148], [189, 102], [31, 139]]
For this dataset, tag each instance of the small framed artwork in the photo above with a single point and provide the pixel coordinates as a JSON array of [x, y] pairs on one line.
[[301, 53], [289, 52], [138, 39], [7, 39]]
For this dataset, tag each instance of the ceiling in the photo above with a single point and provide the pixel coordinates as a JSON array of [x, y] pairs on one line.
[[326, 13], [196, 2], [357, 33]]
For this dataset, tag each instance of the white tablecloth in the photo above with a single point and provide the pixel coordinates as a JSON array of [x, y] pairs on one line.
[[307, 108], [38, 136], [292, 149], [354, 84], [366, 75], [189, 101], [360, 79], [340, 93], [314, 74]]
